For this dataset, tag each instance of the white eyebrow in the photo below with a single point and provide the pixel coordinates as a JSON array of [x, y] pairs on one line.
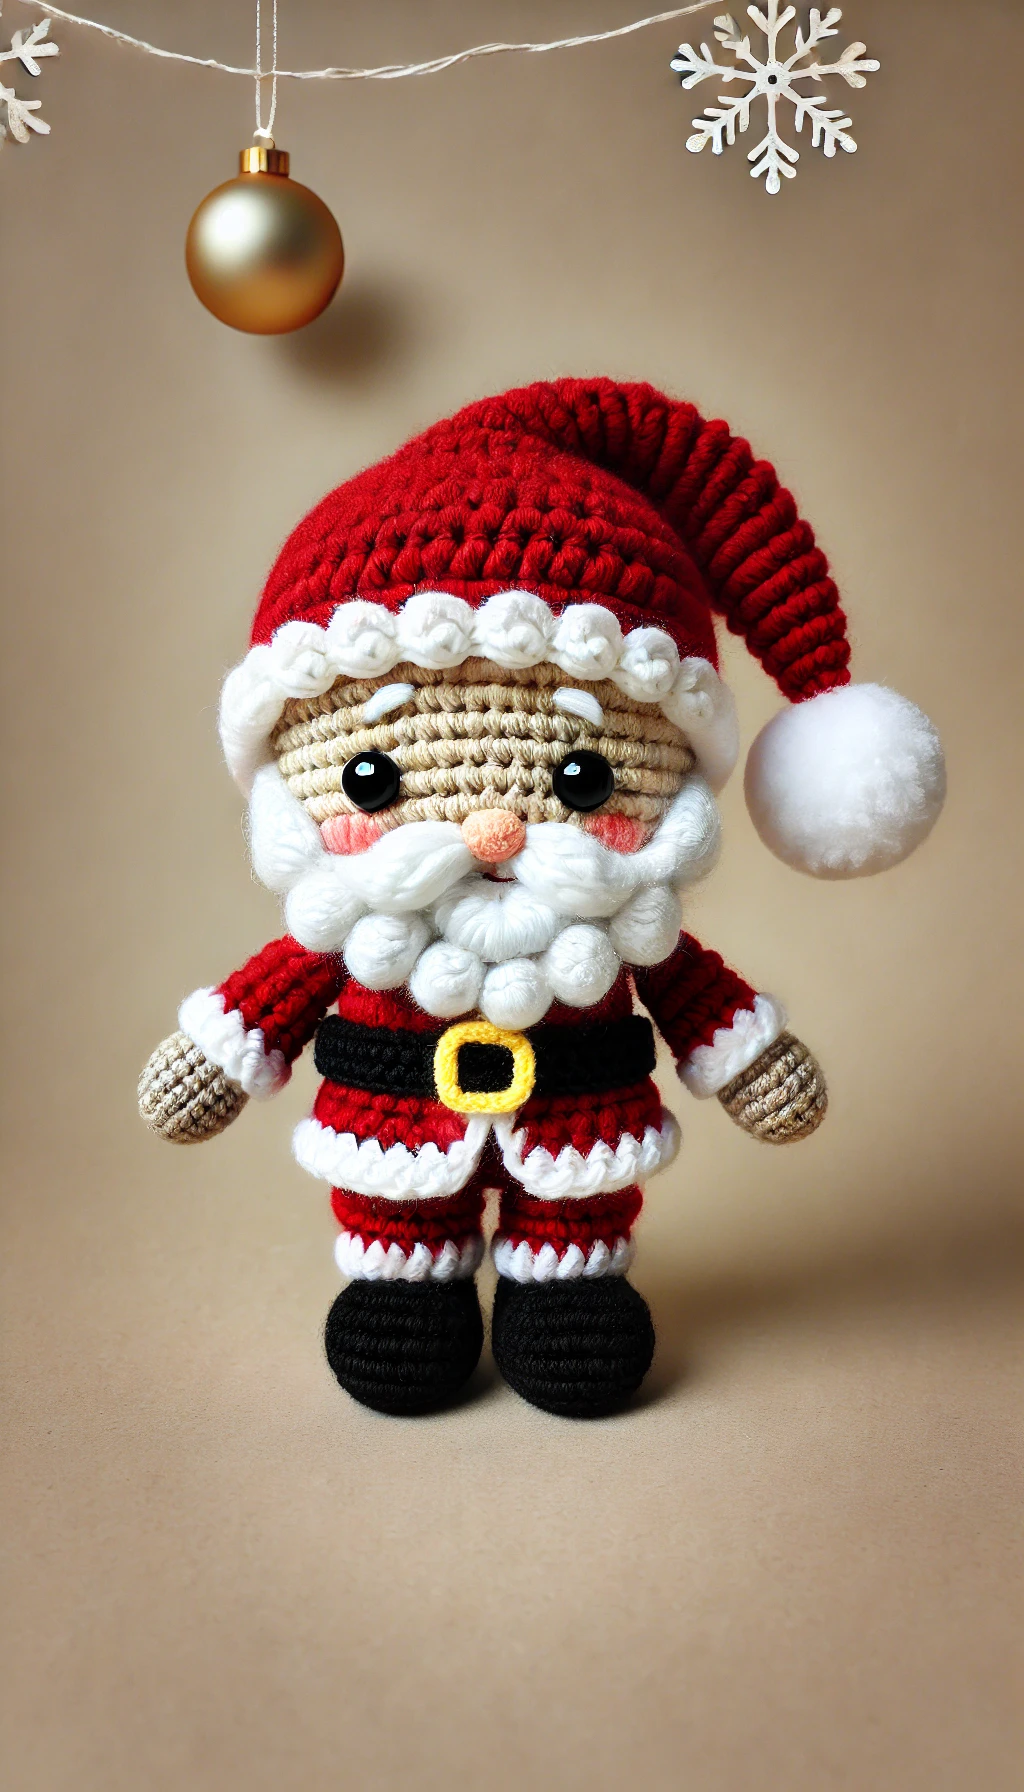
[[390, 696], [579, 703]]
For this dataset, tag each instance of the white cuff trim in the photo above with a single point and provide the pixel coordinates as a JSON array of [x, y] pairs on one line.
[[222, 1038], [521, 1263], [710, 1067], [380, 1262]]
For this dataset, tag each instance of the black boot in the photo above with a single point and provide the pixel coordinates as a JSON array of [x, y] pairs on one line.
[[579, 1349], [405, 1347]]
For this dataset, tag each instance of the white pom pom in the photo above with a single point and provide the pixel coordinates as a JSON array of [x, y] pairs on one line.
[[847, 783], [646, 929], [515, 994], [581, 966], [446, 980], [382, 949]]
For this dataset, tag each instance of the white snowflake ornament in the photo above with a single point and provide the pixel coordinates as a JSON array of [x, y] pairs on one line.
[[773, 79], [18, 117]]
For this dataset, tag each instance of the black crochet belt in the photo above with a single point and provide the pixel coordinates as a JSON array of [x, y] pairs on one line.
[[474, 1067]]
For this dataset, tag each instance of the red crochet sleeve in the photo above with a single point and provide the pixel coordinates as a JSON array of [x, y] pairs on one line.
[[715, 1023], [255, 1023]]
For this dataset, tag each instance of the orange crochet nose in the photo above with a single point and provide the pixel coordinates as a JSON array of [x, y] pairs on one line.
[[493, 835]]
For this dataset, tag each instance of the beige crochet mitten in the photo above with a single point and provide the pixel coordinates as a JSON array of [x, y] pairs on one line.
[[185, 1098], [781, 1096]]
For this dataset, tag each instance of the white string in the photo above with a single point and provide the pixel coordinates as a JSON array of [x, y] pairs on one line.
[[389, 71], [268, 130]]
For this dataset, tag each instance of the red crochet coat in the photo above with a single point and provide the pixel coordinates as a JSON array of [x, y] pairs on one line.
[[412, 1147]]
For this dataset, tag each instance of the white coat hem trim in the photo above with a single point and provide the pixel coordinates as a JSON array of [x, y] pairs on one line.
[[396, 1174], [605, 1168], [399, 1174]]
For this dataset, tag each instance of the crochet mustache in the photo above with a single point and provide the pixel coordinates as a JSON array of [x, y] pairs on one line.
[[557, 922]]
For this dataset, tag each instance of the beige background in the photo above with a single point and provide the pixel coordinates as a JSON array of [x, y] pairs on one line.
[[793, 1567]]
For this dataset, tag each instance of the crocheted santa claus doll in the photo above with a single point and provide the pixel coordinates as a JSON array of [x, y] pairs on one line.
[[480, 726]]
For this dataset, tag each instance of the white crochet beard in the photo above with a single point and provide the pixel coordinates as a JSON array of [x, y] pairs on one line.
[[555, 923]]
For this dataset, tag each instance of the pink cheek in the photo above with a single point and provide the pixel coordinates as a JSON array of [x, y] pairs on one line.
[[349, 833], [620, 833]]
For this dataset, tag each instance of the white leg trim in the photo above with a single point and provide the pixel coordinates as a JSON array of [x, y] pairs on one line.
[[396, 1174], [378, 1262], [521, 1263], [570, 1175], [734, 1048], [223, 1040]]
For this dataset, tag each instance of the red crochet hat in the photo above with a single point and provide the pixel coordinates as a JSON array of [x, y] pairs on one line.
[[599, 526]]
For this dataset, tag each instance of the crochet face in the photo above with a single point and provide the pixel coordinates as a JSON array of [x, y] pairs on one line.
[[431, 825], [476, 738]]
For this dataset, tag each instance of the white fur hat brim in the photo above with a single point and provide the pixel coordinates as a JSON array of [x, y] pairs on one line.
[[433, 629]]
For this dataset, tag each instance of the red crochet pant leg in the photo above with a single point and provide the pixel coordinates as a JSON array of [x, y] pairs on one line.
[[409, 1241], [544, 1241]]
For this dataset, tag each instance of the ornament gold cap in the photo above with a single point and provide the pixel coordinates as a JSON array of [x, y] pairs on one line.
[[263, 158]]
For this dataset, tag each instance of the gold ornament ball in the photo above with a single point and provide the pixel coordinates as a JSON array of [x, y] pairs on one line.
[[263, 253]]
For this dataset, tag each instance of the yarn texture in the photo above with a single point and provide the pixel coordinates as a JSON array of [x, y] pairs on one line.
[[578, 1349], [402, 1347], [475, 737], [480, 726], [185, 1098], [782, 1096]]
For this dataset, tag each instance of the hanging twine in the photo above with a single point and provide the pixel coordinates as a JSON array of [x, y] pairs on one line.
[[389, 71], [265, 130]]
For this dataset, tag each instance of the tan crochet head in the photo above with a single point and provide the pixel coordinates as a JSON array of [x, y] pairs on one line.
[[479, 736]]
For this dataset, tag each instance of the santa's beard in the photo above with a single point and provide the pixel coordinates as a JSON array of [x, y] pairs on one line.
[[556, 922]]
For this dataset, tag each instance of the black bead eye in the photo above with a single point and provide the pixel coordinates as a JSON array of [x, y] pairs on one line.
[[371, 781], [583, 780]]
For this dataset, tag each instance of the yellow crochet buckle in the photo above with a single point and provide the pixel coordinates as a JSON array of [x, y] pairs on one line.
[[483, 1101]]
